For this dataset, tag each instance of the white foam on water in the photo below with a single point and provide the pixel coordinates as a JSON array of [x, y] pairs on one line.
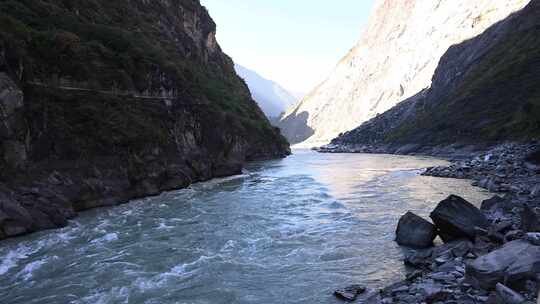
[[196, 264], [184, 271], [103, 226], [128, 212], [229, 246], [107, 238], [28, 271], [218, 181], [114, 295], [161, 280], [61, 237], [12, 258], [163, 226]]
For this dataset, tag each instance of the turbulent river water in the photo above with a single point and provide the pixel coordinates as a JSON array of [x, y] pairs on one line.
[[286, 231]]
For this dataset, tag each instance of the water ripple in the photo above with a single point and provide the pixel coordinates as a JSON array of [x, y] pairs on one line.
[[286, 231]]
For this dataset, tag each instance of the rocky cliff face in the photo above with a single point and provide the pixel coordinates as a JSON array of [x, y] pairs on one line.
[[394, 60], [484, 91], [105, 101]]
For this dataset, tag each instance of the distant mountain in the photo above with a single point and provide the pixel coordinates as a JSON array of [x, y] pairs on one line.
[[484, 91], [395, 59], [271, 97]]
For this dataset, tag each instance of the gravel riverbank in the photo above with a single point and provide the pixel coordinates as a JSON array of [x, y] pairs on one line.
[[489, 254]]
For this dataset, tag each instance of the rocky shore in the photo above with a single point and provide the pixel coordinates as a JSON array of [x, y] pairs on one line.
[[489, 254]]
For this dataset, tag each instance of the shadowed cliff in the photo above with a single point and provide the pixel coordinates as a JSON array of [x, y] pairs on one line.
[[105, 101]]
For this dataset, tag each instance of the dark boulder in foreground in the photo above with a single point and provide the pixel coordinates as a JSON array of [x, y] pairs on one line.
[[492, 203], [529, 220], [515, 261], [349, 293], [533, 157], [455, 218], [508, 296], [414, 231]]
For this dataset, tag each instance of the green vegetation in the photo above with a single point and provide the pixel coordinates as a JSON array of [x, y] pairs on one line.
[[498, 99], [134, 46], [116, 44]]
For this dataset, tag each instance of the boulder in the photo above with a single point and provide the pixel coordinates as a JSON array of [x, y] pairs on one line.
[[455, 218], [14, 218], [535, 191], [419, 259], [501, 226], [454, 249], [533, 238], [349, 293], [529, 220], [508, 296], [414, 231], [513, 235], [533, 158], [526, 267], [491, 203], [515, 261]]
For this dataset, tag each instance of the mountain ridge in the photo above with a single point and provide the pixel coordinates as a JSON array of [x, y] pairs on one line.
[[484, 92], [394, 59]]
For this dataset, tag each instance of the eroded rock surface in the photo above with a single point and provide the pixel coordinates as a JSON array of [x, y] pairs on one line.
[[106, 101]]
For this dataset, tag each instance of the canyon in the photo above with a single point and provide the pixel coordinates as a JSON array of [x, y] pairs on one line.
[[483, 93], [133, 103], [395, 59]]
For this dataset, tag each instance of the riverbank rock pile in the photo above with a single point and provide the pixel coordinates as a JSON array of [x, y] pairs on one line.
[[507, 168], [489, 254]]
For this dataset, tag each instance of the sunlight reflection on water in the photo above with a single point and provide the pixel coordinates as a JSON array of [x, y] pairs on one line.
[[287, 231]]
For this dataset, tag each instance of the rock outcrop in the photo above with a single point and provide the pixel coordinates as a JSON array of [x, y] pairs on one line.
[[483, 92], [515, 261], [105, 101], [414, 231], [350, 293], [502, 169], [394, 60], [455, 219]]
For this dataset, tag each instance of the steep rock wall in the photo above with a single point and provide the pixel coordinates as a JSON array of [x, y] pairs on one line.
[[394, 60], [105, 101]]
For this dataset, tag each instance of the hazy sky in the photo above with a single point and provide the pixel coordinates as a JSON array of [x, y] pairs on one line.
[[293, 42]]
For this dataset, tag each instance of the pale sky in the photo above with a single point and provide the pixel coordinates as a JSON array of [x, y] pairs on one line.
[[296, 43]]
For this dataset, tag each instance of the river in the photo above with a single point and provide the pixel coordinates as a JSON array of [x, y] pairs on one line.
[[286, 231]]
